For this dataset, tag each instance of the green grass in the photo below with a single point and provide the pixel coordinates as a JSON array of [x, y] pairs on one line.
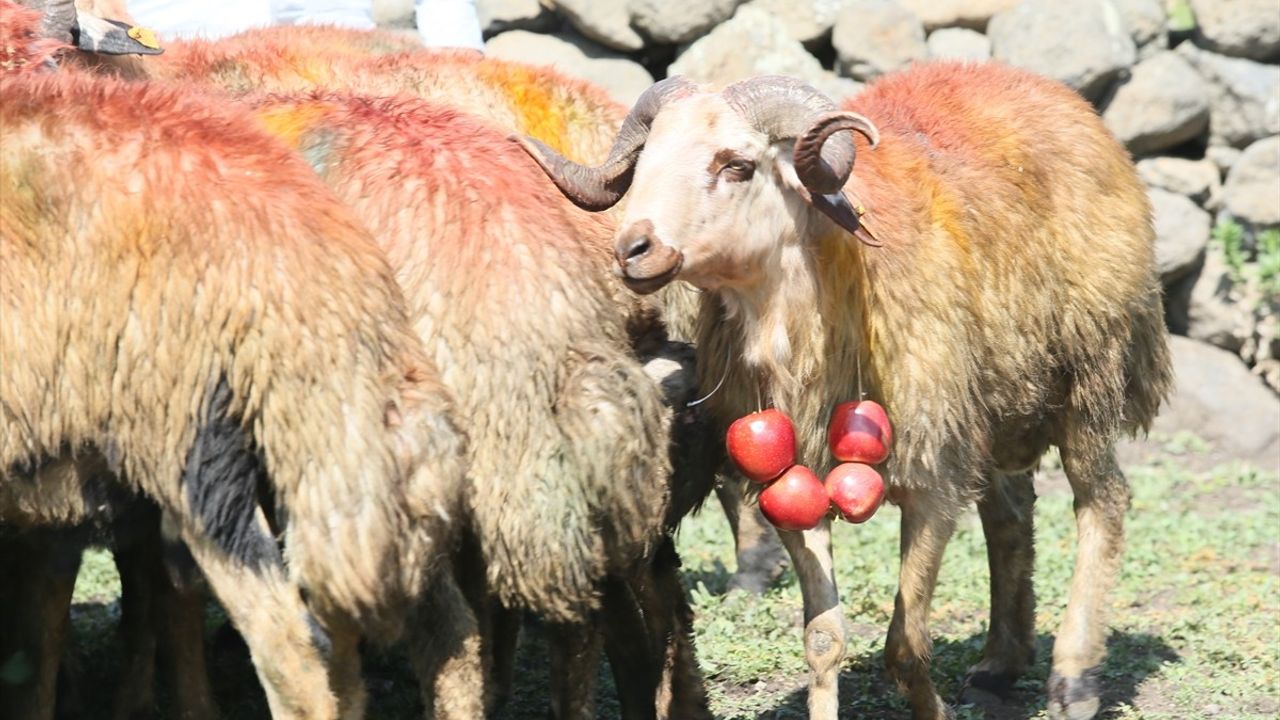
[[1195, 631]]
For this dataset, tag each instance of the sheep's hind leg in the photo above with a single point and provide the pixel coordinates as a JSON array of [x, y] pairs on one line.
[[445, 647], [43, 567], [289, 648], [180, 610], [824, 632], [649, 640], [575, 661], [926, 527], [1006, 508], [138, 562], [1101, 499]]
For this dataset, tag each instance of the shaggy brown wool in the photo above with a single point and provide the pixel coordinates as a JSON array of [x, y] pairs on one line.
[[159, 254]]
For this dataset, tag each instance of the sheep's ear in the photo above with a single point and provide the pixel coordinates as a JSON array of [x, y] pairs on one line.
[[112, 37], [837, 207]]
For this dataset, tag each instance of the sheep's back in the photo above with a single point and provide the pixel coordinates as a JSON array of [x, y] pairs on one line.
[[510, 286], [1016, 278]]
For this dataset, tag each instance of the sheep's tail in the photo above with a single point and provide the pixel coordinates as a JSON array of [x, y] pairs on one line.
[[1148, 366], [595, 505]]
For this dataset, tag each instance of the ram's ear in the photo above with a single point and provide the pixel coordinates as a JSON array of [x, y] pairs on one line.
[[837, 206], [113, 37]]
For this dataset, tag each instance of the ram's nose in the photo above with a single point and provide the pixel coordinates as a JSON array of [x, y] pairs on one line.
[[645, 263]]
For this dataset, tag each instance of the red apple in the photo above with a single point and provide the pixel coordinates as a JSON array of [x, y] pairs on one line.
[[860, 432], [856, 490], [795, 501], [762, 444]]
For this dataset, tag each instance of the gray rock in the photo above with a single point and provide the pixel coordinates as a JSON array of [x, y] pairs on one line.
[[1146, 20], [1198, 180], [1242, 28], [959, 44], [1164, 102], [1224, 156], [872, 37], [394, 13], [1244, 96], [835, 87], [810, 21], [575, 56], [1182, 232], [1251, 194], [1217, 398], [677, 21], [607, 22], [1083, 43], [499, 16], [1214, 313], [717, 58], [973, 14]]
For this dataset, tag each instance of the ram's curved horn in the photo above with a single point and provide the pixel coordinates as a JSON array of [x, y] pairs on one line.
[[600, 188], [786, 108]]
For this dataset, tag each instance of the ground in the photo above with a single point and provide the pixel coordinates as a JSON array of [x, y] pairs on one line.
[[1195, 631]]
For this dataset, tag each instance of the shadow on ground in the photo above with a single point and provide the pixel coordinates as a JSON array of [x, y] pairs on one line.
[[865, 693]]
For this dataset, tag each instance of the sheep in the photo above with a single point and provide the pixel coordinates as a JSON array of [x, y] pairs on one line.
[[975, 314], [509, 287], [221, 326], [575, 113], [44, 562]]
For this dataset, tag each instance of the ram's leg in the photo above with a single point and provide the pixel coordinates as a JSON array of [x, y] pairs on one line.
[[141, 572], [681, 689], [445, 647], [761, 559], [180, 611], [633, 653], [1007, 508], [289, 648], [927, 525], [344, 670], [1101, 499], [43, 570], [575, 662], [824, 632]]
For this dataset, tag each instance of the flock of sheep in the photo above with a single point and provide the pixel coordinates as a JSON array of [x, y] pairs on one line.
[[292, 313]]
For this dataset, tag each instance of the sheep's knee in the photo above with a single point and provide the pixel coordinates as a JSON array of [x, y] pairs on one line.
[[824, 643]]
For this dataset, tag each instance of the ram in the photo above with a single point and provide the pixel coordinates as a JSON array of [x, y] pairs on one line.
[[510, 287], [987, 271], [187, 308]]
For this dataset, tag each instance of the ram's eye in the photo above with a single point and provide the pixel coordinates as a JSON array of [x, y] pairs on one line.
[[738, 170]]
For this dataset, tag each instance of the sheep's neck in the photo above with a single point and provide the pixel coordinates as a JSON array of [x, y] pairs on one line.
[[805, 308]]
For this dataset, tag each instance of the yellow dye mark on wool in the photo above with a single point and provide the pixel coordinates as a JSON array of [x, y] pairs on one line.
[[144, 37], [289, 122], [540, 116]]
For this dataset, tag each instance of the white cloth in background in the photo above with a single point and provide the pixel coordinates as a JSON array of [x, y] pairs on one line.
[[448, 23], [441, 23], [206, 19], [356, 14]]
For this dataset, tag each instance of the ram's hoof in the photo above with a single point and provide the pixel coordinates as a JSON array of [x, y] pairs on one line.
[[996, 683], [1074, 698]]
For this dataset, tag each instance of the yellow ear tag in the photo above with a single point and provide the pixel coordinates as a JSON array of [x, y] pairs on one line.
[[145, 37]]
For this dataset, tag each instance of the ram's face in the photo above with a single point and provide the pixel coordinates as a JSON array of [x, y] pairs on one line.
[[720, 184], [705, 203]]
